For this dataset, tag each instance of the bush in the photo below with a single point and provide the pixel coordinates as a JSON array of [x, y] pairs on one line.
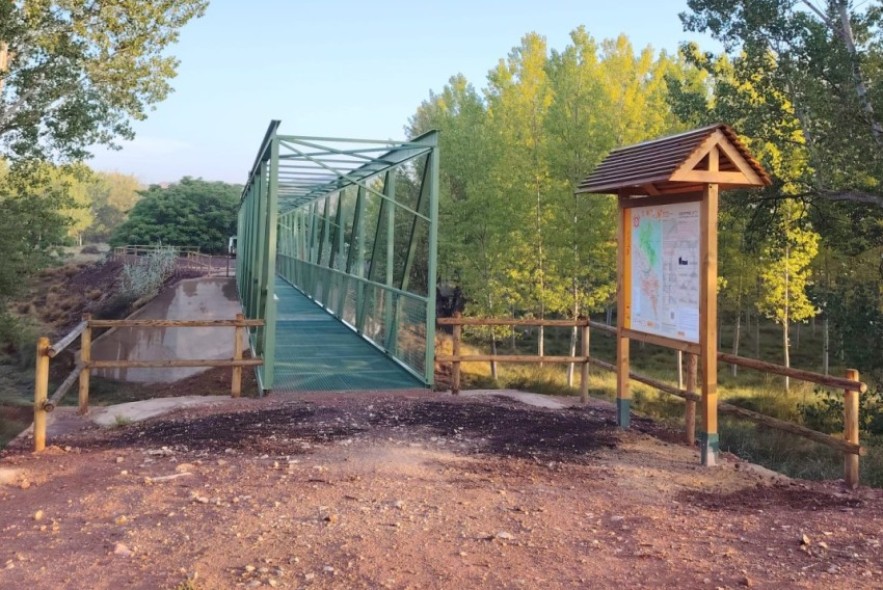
[[145, 277], [826, 414], [19, 337], [90, 249]]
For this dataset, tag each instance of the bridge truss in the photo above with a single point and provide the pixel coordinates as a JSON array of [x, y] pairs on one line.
[[353, 225]]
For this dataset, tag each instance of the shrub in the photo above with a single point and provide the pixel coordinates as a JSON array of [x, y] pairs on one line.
[[826, 414], [145, 277], [20, 337], [90, 249]]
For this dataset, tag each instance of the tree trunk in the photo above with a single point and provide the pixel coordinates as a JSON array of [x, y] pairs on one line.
[[573, 334], [737, 332], [494, 352], [541, 349], [860, 88], [825, 341], [785, 323], [4, 61], [757, 337], [737, 329], [787, 355]]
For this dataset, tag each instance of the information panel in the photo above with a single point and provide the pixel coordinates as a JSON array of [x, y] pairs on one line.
[[664, 270]]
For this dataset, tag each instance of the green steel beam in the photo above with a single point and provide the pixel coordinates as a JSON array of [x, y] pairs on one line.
[[360, 258], [389, 189], [270, 270], [412, 243], [432, 270]]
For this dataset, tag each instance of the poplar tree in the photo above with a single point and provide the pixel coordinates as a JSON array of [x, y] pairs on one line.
[[786, 274]]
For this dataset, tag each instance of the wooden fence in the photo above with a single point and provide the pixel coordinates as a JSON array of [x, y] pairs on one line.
[[850, 384], [43, 404], [207, 263], [123, 252]]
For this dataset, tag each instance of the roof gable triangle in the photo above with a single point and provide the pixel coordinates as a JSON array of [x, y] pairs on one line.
[[731, 168]]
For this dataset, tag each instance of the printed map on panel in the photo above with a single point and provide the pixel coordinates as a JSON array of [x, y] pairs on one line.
[[665, 270]]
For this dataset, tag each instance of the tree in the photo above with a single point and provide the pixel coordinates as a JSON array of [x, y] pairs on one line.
[[33, 222], [112, 196], [192, 212], [519, 97], [514, 236], [74, 73], [822, 62], [786, 273]]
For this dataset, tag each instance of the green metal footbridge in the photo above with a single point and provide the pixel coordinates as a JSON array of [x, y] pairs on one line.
[[337, 249]]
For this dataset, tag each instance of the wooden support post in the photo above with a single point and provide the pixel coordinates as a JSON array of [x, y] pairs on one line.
[[455, 366], [850, 431], [41, 393], [86, 359], [709, 442], [690, 410], [623, 313], [236, 379], [584, 368]]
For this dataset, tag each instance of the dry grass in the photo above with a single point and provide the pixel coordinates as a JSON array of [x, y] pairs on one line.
[[760, 392]]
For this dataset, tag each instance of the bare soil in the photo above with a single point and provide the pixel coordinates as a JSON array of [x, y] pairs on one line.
[[417, 490]]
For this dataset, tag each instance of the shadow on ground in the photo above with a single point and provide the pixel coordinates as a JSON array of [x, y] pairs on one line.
[[501, 428]]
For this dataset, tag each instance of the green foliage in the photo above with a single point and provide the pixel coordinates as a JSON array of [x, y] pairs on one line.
[[19, 335], [786, 270], [826, 414], [192, 212], [515, 238], [112, 196], [813, 67], [78, 72], [33, 220], [857, 333], [145, 277]]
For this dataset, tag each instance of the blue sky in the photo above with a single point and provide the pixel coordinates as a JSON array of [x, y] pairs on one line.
[[344, 68]]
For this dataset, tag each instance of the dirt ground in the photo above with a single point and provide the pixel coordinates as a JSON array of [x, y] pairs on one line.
[[416, 491]]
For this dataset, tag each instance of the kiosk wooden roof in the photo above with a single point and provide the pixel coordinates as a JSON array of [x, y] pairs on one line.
[[678, 164]]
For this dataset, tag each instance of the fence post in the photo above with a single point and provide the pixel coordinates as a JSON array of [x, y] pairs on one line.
[[690, 409], [455, 366], [86, 359], [41, 393], [236, 380], [584, 367], [850, 431]]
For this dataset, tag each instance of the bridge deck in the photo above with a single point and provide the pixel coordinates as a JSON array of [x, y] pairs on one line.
[[317, 352]]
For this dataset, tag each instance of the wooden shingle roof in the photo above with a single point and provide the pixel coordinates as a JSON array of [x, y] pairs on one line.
[[678, 164]]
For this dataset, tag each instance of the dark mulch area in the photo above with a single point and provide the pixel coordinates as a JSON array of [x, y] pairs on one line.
[[500, 429], [783, 496]]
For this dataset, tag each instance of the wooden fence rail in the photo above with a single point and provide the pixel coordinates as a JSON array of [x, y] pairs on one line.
[[85, 365], [850, 384], [144, 249]]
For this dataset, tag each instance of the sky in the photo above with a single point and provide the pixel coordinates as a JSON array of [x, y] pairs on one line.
[[345, 68]]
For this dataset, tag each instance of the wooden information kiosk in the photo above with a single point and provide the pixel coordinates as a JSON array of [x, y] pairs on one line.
[[667, 255]]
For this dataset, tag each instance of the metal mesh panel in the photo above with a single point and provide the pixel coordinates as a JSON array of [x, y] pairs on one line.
[[392, 320]]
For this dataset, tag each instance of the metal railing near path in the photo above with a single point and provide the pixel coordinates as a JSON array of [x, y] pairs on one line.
[[43, 403], [850, 383]]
